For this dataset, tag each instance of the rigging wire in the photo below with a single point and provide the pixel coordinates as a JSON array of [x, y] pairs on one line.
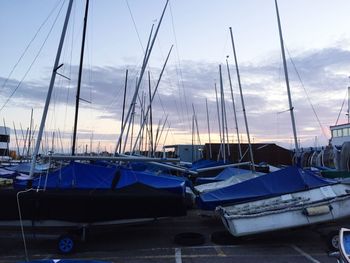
[[35, 58], [28, 45], [341, 108], [307, 95], [138, 35], [70, 69], [179, 69], [133, 21]]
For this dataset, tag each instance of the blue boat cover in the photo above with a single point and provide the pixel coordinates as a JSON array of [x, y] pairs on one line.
[[92, 176], [162, 181], [78, 175], [287, 180], [205, 163], [223, 175], [8, 174]]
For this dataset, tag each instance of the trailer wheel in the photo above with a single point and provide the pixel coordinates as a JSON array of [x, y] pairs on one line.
[[66, 244], [333, 240]]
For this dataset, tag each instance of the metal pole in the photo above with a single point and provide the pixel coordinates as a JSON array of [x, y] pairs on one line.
[[79, 78], [122, 124], [219, 122], [14, 128], [242, 100], [150, 114], [154, 93], [48, 97], [206, 105], [234, 111], [291, 108], [222, 114], [147, 55]]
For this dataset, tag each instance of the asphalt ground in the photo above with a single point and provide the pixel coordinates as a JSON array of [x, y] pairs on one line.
[[154, 242]]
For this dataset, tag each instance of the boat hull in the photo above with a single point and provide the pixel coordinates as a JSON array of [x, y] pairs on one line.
[[84, 206], [319, 205]]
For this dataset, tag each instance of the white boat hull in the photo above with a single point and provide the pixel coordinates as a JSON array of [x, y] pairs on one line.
[[292, 210]]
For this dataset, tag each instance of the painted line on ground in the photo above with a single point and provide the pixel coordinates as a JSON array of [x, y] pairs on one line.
[[303, 253], [219, 251], [178, 258]]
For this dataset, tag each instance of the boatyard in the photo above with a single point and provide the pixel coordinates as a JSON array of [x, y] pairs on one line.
[[154, 242], [97, 180]]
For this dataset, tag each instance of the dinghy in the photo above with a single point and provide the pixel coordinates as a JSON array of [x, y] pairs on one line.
[[290, 210]]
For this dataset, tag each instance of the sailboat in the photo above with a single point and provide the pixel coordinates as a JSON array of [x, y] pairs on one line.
[[298, 199], [82, 195]]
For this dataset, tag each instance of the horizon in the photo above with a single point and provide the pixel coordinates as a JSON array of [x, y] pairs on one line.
[[317, 46]]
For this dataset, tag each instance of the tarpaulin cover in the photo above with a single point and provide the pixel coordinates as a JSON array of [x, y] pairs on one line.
[[205, 163], [5, 173], [91, 176], [223, 175], [166, 182], [78, 175], [287, 180]]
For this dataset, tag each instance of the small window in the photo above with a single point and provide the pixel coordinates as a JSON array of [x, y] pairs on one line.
[[345, 131], [334, 133], [340, 132]]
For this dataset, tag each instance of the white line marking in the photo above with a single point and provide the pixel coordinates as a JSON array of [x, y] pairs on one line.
[[178, 258], [303, 253], [220, 252]]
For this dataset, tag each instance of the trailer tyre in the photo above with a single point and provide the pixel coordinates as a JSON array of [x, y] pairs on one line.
[[66, 244], [333, 240]]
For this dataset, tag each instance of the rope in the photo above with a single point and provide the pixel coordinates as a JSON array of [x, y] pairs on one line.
[[27, 47], [133, 21], [307, 96], [21, 222], [341, 109], [35, 58], [178, 69]]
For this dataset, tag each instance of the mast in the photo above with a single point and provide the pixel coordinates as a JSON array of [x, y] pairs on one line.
[[234, 111], [152, 98], [219, 122], [30, 132], [79, 78], [222, 114], [192, 144], [150, 114], [143, 68], [291, 108], [122, 124], [206, 105], [14, 128], [197, 130], [48, 97], [242, 101]]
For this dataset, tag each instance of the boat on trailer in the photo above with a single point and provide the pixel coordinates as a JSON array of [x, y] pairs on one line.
[[304, 208], [89, 194]]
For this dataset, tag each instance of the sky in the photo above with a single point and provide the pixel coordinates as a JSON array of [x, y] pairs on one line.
[[316, 37]]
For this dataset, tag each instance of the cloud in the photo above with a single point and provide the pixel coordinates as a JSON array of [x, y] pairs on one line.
[[323, 75]]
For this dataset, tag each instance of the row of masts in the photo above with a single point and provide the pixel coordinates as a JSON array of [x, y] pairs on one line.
[[222, 120], [129, 117]]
